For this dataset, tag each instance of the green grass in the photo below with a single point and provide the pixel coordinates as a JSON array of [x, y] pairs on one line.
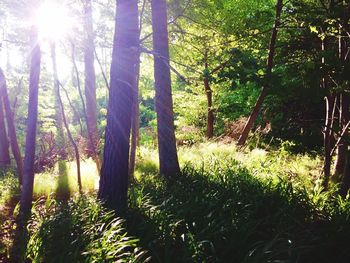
[[230, 206], [51, 181], [226, 214], [79, 230], [8, 187]]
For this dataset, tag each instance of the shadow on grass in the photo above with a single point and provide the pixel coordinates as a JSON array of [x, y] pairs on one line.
[[60, 233], [230, 216], [62, 189]]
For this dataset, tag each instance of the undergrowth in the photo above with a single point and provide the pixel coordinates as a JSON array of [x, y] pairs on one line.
[[79, 231], [229, 206], [226, 214]]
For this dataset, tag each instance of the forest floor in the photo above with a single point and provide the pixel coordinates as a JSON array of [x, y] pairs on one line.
[[229, 206], [7, 221]]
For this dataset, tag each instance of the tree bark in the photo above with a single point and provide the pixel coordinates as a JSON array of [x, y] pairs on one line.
[[254, 114], [4, 143], [11, 126], [28, 169], [90, 84], [114, 173], [168, 160]]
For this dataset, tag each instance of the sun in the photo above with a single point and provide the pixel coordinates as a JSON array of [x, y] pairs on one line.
[[53, 21]]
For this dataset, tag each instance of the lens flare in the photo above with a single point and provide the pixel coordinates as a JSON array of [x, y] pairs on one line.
[[53, 21]]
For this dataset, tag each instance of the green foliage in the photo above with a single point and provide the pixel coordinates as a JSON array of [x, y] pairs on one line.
[[224, 211], [9, 187], [79, 231]]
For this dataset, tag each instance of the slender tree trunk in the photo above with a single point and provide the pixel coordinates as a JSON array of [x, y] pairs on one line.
[[135, 123], [76, 71], [210, 110], [345, 184], [60, 141], [344, 118], [328, 138], [28, 173], [90, 84], [114, 173], [209, 95], [11, 126], [4, 143], [71, 139], [168, 160], [254, 114]]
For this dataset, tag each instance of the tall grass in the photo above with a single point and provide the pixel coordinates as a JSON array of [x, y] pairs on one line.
[[51, 181], [80, 230], [227, 214]]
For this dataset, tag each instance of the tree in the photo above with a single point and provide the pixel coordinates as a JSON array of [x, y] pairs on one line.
[[272, 48], [114, 173], [28, 169], [60, 140], [90, 84], [11, 126], [4, 143], [168, 160]]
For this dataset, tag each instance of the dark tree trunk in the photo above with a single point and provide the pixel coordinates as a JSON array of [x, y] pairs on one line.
[[28, 169], [4, 143], [209, 95], [11, 126], [210, 110], [90, 84], [114, 173], [254, 114], [345, 185], [168, 160]]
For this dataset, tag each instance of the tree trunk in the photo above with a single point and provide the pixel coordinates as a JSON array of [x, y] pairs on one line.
[[60, 141], [209, 95], [28, 173], [114, 173], [135, 123], [168, 160], [4, 143], [90, 84], [71, 139], [345, 185], [328, 137], [254, 114], [11, 126], [344, 118]]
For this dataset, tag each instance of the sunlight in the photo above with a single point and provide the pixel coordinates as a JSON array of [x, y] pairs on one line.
[[53, 21]]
